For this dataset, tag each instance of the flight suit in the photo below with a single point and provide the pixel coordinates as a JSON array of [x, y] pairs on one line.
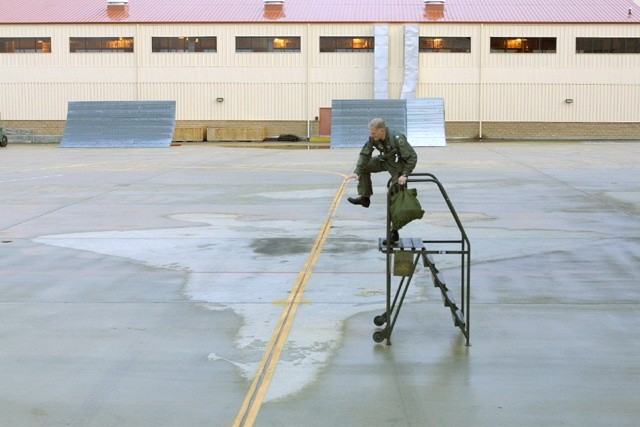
[[396, 156]]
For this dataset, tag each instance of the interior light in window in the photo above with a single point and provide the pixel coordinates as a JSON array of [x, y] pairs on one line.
[[359, 43], [514, 43]]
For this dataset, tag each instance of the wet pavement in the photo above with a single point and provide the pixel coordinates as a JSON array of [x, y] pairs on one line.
[[150, 287]]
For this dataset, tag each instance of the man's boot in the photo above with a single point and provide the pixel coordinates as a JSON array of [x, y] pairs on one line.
[[360, 200], [395, 237]]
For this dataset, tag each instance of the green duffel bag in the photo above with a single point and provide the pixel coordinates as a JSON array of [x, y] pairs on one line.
[[405, 206]]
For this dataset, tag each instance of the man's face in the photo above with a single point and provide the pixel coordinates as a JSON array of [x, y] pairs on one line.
[[378, 134]]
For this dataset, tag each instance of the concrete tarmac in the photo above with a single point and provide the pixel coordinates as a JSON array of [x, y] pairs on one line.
[[143, 287]]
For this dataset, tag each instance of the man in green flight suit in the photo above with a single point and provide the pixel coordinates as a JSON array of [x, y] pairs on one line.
[[396, 156]]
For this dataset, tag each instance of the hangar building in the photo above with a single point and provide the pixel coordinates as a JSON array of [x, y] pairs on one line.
[[530, 69]]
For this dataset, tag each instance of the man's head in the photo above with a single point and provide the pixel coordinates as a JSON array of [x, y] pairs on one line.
[[378, 129]]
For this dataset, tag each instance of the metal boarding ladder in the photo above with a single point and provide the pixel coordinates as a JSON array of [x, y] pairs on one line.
[[412, 250]]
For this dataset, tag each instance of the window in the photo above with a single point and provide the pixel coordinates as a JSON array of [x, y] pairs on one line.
[[346, 44], [607, 45], [267, 44], [523, 45], [100, 44], [25, 44], [184, 44], [445, 44]]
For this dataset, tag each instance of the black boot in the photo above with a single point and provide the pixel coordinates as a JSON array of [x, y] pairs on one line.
[[395, 237], [360, 200]]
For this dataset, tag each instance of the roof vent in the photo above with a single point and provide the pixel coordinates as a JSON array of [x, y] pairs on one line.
[[273, 9], [434, 9], [118, 9]]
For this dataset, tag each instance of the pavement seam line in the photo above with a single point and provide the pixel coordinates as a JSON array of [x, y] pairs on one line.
[[260, 384]]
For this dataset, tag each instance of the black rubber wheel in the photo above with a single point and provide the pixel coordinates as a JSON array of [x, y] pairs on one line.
[[4, 141], [380, 320], [377, 336]]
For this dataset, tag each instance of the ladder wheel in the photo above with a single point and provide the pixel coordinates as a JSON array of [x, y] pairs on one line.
[[380, 320], [378, 337]]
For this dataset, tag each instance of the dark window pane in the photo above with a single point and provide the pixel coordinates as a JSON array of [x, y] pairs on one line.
[[268, 44], [25, 44], [607, 45], [523, 44], [101, 44], [445, 44], [347, 44]]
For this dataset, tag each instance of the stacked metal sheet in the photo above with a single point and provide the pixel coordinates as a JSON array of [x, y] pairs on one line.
[[425, 122], [350, 119], [420, 119], [116, 124]]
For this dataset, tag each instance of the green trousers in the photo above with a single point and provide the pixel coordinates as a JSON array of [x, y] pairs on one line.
[[365, 188]]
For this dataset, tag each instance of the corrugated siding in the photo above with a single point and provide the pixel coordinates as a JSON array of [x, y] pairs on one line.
[[451, 60], [537, 102], [546, 103], [241, 101], [48, 101], [342, 66], [293, 86], [322, 94], [461, 100]]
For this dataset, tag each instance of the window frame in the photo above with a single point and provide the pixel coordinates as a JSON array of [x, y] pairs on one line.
[[521, 44], [101, 44], [268, 44], [447, 44], [631, 45], [25, 44], [339, 44], [186, 44]]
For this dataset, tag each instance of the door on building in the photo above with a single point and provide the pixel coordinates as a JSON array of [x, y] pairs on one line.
[[324, 127]]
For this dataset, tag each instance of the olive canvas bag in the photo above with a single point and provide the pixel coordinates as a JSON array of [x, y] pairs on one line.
[[404, 206]]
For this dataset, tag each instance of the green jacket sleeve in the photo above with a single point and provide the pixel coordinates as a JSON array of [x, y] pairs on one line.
[[407, 154]]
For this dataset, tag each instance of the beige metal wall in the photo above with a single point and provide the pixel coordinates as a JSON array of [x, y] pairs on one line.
[[484, 86], [477, 87]]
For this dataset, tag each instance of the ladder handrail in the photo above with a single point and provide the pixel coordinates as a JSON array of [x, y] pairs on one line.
[[432, 178]]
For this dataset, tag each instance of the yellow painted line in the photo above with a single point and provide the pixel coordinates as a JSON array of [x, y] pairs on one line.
[[253, 401]]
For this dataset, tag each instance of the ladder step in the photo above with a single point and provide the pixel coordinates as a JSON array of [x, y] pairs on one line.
[[458, 318], [448, 301], [413, 243], [438, 281], [407, 243], [416, 242], [427, 260]]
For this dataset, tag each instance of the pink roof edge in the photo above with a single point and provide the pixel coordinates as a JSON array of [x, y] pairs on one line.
[[320, 11]]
